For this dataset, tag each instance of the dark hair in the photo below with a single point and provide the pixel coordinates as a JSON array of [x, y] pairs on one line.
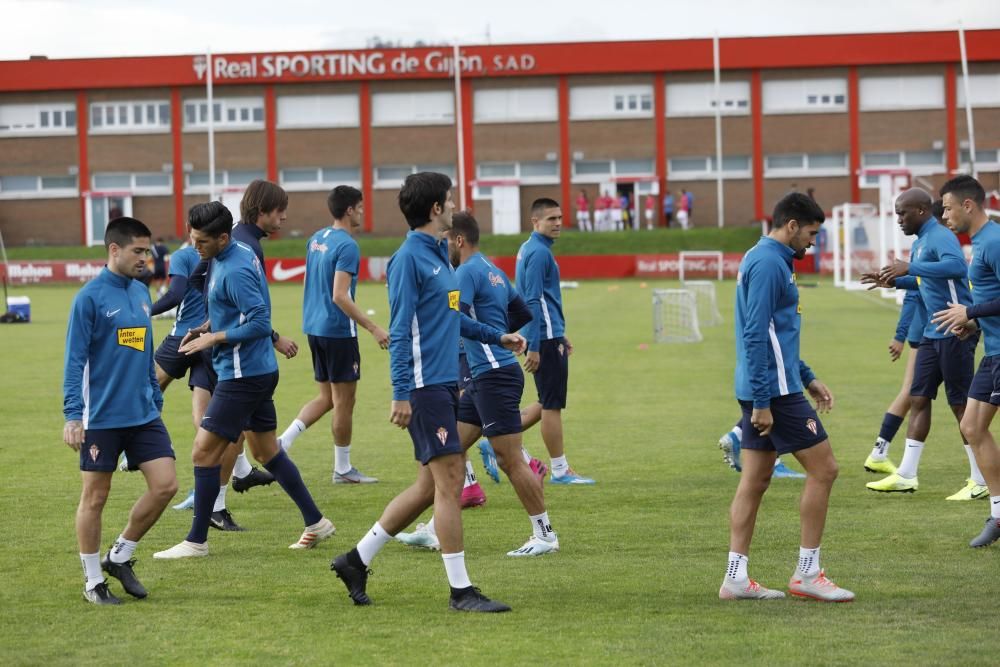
[[541, 204], [213, 219], [261, 197], [937, 209], [463, 223], [122, 231], [796, 206], [965, 187], [418, 195], [342, 198]]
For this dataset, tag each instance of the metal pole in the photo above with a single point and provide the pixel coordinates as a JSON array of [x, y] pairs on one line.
[[968, 102], [211, 129], [459, 130], [718, 132]]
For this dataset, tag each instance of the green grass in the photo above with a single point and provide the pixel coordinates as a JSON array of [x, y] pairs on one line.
[[643, 551], [732, 239]]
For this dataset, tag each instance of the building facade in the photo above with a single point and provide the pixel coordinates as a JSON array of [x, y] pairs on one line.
[[84, 140]]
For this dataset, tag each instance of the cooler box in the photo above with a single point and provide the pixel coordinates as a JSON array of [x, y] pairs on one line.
[[21, 306]]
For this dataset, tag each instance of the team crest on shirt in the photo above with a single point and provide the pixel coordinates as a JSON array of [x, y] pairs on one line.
[[318, 247], [812, 426], [496, 280], [95, 451], [442, 435]]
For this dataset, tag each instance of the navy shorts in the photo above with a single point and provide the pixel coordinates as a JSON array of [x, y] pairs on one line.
[[335, 359], [244, 404], [914, 344], [796, 426], [985, 386], [203, 374], [433, 426], [493, 401], [464, 374], [174, 363], [146, 442], [552, 376], [947, 360]]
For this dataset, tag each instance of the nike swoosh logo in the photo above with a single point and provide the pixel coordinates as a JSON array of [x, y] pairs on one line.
[[485, 426], [280, 273], [437, 270], [112, 313]]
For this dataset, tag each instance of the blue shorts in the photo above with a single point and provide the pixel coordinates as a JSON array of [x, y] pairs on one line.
[[244, 404], [433, 427], [493, 401], [203, 374], [947, 360], [174, 363], [985, 386], [552, 376], [335, 359], [102, 447], [796, 426], [464, 374]]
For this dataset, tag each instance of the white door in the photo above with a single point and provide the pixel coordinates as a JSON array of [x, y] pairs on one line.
[[231, 200], [101, 209], [506, 209]]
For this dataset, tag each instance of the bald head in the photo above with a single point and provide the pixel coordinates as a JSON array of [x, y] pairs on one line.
[[913, 209]]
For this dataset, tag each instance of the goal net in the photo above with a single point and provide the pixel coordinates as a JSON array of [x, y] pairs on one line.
[[700, 264], [708, 307], [675, 316]]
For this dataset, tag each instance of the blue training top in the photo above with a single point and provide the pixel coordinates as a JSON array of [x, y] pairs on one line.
[[109, 379], [768, 322], [984, 279], [537, 278], [328, 251], [938, 269], [486, 293], [912, 318], [191, 311], [239, 304]]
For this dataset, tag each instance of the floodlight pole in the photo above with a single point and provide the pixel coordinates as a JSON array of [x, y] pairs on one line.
[[718, 132], [459, 129], [211, 128], [968, 101]]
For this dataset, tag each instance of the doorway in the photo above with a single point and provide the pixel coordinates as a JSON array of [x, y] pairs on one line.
[[506, 209], [103, 208]]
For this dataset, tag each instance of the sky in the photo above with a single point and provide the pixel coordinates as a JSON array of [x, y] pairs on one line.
[[93, 28]]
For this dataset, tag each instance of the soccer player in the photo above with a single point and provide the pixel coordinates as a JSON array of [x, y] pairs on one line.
[[537, 277], [330, 319], [239, 310], [963, 198], [583, 212], [938, 270], [425, 324], [777, 419], [112, 403], [729, 443], [490, 405], [161, 253]]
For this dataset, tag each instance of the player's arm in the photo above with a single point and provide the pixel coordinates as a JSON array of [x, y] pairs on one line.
[[342, 299], [518, 313], [906, 282], [404, 283], [154, 383], [950, 264], [79, 334], [532, 278], [763, 289], [173, 296]]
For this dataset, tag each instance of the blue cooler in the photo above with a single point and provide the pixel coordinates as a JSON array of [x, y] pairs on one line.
[[20, 306]]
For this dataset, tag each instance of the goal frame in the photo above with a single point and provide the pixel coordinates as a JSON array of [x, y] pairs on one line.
[[659, 336], [685, 254]]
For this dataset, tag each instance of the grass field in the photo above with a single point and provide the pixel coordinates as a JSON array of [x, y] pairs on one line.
[[643, 551]]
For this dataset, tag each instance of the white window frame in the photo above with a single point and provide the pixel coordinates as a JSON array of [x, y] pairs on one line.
[[320, 184], [486, 101], [614, 173], [868, 83], [737, 92], [805, 171], [814, 95], [64, 109], [133, 187], [221, 181], [709, 173], [981, 164], [580, 108], [395, 183], [225, 105], [41, 192], [916, 170], [980, 85], [99, 109], [411, 100], [341, 102]]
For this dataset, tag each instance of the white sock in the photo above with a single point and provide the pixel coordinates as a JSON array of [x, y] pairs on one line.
[[880, 452], [525, 455], [372, 543], [294, 430], [122, 550], [974, 471], [559, 466], [995, 507], [341, 457], [911, 459], [736, 571], [430, 526], [92, 570], [220, 500], [808, 561], [242, 467], [470, 475], [738, 432], [541, 527], [454, 565]]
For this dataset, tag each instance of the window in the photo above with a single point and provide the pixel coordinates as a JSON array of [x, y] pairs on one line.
[[698, 99], [228, 113], [37, 187], [416, 108], [138, 116], [918, 162], [703, 168], [39, 119], [516, 105], [197, 181], [805, 164], [881, 93], [497, 170], [318, 111], [805, 96], [598, 171], [319, 178], [984, 90], [989, 157], [156, 182], [545, 172], [392, 176], [594, 102]]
